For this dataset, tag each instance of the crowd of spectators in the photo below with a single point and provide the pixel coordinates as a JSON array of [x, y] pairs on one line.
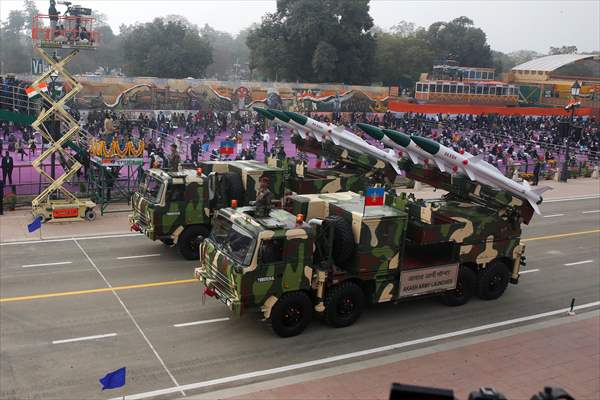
[[191, 136]]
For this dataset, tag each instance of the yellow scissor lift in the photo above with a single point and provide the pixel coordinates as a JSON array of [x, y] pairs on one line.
[[69, 207]]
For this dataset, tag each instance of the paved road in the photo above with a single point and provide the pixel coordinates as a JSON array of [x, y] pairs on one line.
[[134, 326]]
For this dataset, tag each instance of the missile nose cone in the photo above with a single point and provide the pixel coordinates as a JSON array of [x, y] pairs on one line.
[[371, 130], [279, 114], [398, 137], [426, 144], [263, 112], [301, 119]]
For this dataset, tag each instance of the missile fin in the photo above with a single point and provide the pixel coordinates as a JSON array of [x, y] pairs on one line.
[[535, 207], [414, 158], [301, 133], [335, 140], [396, 168], [440, 165], [469, 174], [541, 189]]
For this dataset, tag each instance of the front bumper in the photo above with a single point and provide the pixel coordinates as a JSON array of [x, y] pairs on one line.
[[214, 288], [139, 225]]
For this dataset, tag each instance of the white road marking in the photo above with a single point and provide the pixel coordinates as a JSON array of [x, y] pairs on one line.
[[575, 198], [529, 270], [347, 356], [79, 339], [591, 212], [72, 238], [208, 321], [131, 317], [141, 256], [579, 263], [46, 264], [553, 215]]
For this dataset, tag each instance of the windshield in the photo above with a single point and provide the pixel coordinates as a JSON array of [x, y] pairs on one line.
[[150, 188], [233, 240]]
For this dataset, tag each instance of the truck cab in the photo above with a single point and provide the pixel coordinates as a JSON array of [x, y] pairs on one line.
[[332, 254], [176, 207]]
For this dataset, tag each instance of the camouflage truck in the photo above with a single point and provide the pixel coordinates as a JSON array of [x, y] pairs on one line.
[[328, 255], [176, 207]]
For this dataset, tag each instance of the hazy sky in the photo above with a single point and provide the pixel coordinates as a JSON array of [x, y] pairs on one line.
[[510, 25]]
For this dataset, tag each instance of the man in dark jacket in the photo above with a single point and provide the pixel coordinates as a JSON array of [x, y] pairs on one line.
[[53, 13], [7, 167]]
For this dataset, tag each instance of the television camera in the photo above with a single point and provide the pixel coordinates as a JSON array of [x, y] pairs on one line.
[[75, 10]]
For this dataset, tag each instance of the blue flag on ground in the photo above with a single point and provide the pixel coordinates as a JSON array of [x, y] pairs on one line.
[[114, 379], [35, 225]]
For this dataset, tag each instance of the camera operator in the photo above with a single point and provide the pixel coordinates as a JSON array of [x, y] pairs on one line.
[[53, 14]]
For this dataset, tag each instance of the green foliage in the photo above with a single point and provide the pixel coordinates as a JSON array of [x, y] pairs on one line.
[[230, 54], [562, 50], [315, 41], [165, 49], [401, 57], [459, 40]]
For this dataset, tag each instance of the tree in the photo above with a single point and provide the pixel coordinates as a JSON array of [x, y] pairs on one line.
[[230, 54], [400, 59], [562, 50], [315, 41], [461, 40], [165, 49]]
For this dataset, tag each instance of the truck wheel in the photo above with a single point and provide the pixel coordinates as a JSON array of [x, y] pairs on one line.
[[189, 241], [465, 288], [90, 214], [343, 239], [344, 304], [291, 314], [493, 281]]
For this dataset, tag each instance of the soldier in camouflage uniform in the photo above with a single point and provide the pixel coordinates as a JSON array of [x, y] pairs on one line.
[[264, 197], [174, 158]]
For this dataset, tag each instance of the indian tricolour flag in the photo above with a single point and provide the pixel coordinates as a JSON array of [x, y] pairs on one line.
[[34, 91]]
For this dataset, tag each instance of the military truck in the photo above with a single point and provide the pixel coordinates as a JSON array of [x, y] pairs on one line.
[[327, 255], [176, 207]]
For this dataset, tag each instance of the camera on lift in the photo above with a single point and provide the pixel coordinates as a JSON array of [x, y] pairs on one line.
[[75, 10]]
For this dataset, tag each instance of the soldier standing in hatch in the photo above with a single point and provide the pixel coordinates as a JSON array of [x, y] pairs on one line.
[[174, 158], [263, 198]]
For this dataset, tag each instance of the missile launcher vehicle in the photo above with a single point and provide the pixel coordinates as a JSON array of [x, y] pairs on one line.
[[327, 255]]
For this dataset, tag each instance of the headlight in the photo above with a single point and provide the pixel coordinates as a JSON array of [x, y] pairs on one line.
[[238, 269]]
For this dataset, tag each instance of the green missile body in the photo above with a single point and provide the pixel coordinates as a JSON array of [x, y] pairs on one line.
[[426, 144], [264, 112], [371, 130], [397, 137], [300, 119]]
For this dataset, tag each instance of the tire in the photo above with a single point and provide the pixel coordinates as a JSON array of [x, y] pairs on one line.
[[291, 314], [493, 280], [465, 288], [344, 303], [189, 241], [90, 214], [343, 240]]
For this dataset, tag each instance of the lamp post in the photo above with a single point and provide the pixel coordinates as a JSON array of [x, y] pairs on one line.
[[573, 104]]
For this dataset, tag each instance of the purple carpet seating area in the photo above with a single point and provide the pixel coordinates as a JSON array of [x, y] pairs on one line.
[[524, 147]]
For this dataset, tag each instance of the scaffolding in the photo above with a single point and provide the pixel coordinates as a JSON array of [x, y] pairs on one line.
[[56, 125]]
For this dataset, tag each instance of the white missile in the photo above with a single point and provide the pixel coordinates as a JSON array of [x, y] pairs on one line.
[[480, 171], [341, 137]]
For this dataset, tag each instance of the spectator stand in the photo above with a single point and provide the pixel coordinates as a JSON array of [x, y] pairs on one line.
[[72, 32]]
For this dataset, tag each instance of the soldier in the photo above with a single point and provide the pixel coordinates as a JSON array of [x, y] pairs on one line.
[[174, 158], [263, 198]]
